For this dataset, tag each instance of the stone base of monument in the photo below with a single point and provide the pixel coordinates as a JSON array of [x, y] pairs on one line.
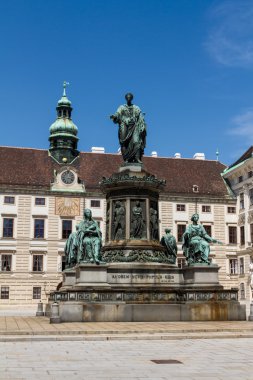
[[139, 292]]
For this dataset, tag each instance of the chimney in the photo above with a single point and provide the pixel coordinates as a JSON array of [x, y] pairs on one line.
[[199, 156], [97, 149], [153, 154], [177, 155]]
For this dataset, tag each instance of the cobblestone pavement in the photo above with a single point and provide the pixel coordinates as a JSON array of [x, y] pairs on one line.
[[212, 359]]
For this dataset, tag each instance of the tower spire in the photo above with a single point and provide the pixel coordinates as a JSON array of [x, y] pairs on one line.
[[65, 84], [63, 132]]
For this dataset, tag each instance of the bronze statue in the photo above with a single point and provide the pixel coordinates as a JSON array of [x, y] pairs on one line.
[[132, 130], [196, 241], [153, 216], [137, 223], [90, 242], [71, 248], [169, 242], [119, 221]]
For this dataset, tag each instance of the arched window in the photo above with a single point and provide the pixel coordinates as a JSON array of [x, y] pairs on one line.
[[242, 291]]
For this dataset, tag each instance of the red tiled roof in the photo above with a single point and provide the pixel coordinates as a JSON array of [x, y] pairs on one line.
[[33, 167]]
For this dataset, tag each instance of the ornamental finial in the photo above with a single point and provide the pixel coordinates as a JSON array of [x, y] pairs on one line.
[[65, 84], [217, 154]]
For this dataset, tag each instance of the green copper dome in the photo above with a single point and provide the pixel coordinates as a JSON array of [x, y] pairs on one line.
[[63, 125]]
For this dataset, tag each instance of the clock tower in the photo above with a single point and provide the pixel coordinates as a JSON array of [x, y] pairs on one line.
[[63, 132]]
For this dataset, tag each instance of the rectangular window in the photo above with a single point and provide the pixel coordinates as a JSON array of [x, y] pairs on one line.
[[40, 201], [5, 292], [242, 235], [8, 227], [240, 179], [241, 200], [233, 266], [250, 174], [242, 291], [251, 233], [94, 203], [208, 229], [180, 231], [181, 263], [206, 208], [66, 228], [6, 263], [63, 263], [241, 261], [39, 226], [180, 207], [9, 200], [232, 235], [36, 292], [37, 263], [251, 196], [231, 210]]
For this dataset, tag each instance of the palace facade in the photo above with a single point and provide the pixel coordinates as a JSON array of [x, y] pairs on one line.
[[43, 194]]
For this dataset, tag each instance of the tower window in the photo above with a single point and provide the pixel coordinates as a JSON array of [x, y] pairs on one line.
[[9, 200]]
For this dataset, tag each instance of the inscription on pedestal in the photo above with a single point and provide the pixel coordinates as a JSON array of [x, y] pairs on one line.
[[133, 278]]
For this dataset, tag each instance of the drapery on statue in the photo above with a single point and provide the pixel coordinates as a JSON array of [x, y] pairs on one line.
[[89, 237], [153, 217], [196, 241], [137, 222], [132, 130], [169, 242], [71, 249], [119, 221]]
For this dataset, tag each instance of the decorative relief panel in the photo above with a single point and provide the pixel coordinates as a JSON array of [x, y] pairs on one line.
[[241, 219], [250, 217], [67, 206]]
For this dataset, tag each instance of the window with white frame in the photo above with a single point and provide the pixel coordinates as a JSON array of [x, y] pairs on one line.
[[37, 292], [37, 263], [40, 201], [9, 200], [233, 266], [206, 208], [181, 262], [251, 196], [8, 227], [242, 291], [208, 229], [39, 228], [6, 261], [180, 207], [5, 292], [241, 265], [95, 203], [241, 198], [231, 210]]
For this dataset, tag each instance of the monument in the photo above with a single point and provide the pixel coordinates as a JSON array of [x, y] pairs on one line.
[[134, 276]]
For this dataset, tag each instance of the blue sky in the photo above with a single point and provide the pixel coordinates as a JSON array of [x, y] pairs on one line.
[[189, 64]]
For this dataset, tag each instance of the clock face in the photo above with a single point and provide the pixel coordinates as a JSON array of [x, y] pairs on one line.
[[67, 177]]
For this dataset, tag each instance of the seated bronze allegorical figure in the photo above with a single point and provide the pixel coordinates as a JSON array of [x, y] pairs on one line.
[[90, 241], [169, 242], [196, 241]]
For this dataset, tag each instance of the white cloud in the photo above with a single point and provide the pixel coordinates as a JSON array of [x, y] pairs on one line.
[[243, 125], [230, 40]]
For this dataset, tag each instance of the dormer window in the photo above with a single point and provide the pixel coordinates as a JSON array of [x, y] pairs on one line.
[[195, 188]]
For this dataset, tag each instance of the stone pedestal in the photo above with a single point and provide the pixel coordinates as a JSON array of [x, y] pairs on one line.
[[202, 275], [138, 292]]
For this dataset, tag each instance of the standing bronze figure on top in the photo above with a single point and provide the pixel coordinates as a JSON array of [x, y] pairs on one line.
[[132, 130]]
